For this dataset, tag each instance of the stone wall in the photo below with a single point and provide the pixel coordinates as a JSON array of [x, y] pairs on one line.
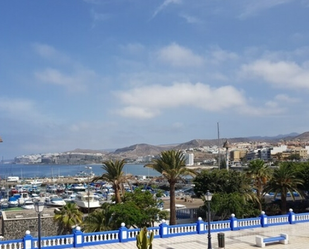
[[16, 223]]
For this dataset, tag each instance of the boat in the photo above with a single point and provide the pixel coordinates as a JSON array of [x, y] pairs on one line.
[[4, 204], [36, 182], [35, 197], [78, 187], [13, 202], [51, 188], [86, 201], [55, 201], [70, 198], [23, 196], [28, 204], [12, 179]]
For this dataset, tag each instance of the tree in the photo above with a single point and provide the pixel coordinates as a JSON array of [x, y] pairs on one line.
[[228, 186], [115, 175], [260, 174], [225, 204], [285, 181], [302, 172], [99, 220], [67, 217], [145, 203], [220, 181], [294, 157], [172, 165]]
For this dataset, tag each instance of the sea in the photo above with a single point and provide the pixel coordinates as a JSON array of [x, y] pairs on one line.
[[57, 170]]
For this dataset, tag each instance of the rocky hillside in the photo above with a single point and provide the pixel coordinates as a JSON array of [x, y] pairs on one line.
[[141, 150], [137, 150]]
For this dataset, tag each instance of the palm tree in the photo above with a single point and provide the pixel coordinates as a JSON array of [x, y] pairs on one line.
[[115, 175], [99, 220], [67, 217], [171, 164], [285, 181], [260, 174]]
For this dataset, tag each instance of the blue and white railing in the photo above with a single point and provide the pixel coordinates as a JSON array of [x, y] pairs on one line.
[[81, 239]]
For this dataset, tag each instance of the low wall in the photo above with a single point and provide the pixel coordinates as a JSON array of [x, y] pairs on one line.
[[25, 220]]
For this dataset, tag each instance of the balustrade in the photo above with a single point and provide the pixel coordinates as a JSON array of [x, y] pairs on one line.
[[80, 239]]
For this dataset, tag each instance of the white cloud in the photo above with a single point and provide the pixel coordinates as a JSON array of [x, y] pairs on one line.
[[218, 55], [98, 17], [179, 56], [133, 48], [283, 74], [252, 8], [72, 75], [148, 101], [23, 110], [190, 19], [164, 5], [50, 53], [286, 99], [76, 81]]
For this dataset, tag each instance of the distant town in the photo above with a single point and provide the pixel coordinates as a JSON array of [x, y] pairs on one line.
[[234, 152]]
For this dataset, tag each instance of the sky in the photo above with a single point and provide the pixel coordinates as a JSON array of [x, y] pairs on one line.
[[106, 74]]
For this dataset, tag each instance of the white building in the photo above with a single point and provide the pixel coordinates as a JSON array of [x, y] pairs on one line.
[[280, 149], [189, 159]]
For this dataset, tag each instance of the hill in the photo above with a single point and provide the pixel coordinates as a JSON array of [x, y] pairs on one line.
[[146, 149]]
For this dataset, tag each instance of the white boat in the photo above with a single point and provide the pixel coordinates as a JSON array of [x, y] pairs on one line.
[[4, 203], [24, 196], [70, 198], [36, 182], [35, 197], [28, 204], [78, 187], [55, 201], [12, 179], [85, 201]]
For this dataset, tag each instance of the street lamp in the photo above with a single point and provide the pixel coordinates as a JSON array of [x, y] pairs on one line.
[[208, 197], [90, 171], [38, 207]]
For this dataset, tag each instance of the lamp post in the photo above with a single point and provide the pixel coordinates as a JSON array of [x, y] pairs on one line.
[[39, 206], [208, 197], [90, 170]]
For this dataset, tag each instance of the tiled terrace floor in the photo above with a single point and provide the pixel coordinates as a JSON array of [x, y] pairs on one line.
[[298, 239]]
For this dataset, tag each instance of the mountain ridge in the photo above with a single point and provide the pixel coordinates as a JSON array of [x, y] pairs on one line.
[[144, 149]]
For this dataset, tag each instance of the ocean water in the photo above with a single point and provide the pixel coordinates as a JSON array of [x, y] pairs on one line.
[[41, 171]]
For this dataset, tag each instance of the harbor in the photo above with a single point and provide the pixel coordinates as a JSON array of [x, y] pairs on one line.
[[55, 191]]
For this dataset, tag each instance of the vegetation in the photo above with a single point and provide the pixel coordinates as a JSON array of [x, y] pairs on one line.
[[137, 209], [241, 193], [99, 220], [283, 182], [232, 192], [220, 181], [115, 175], [225, 204], [145, 204], [143, 241], [172, 165], [260, 174], [68, 217]]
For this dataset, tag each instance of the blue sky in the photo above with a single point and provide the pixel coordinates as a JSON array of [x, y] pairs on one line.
[[101, 74]]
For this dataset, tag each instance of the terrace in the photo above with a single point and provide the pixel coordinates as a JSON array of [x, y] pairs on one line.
[[239, 233]]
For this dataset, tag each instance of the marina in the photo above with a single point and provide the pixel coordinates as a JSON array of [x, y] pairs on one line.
[[73, 186], [39, 171]]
